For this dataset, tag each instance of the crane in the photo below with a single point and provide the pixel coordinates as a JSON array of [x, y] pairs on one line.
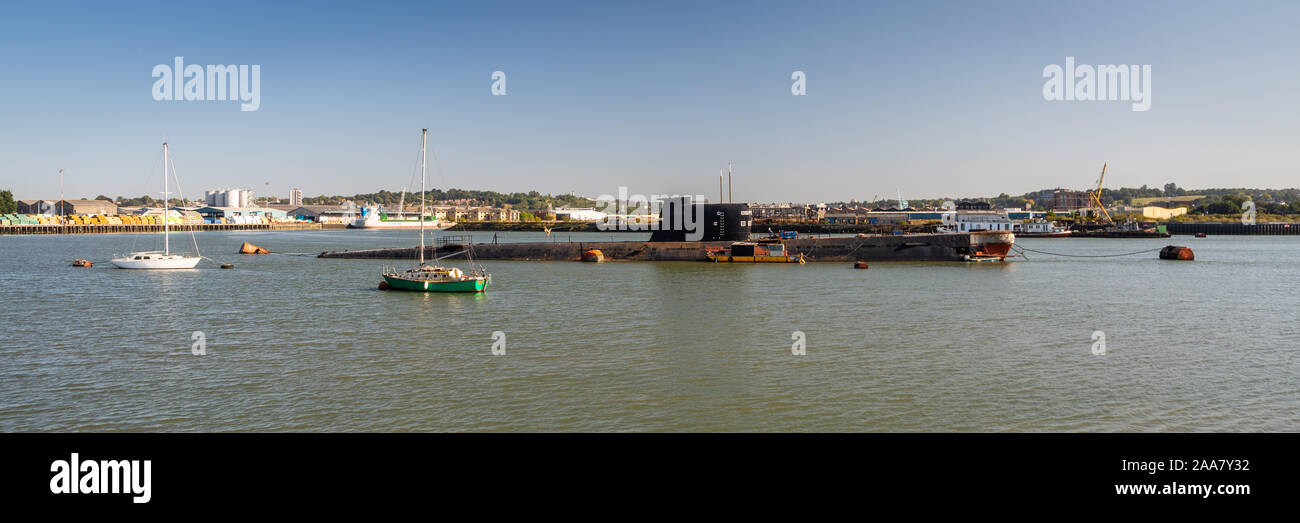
[[1094, 197]]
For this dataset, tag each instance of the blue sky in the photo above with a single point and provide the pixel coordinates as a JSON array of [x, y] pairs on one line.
[[931, 98]]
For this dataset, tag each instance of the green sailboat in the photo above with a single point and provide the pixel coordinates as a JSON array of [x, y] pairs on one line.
[[433, 278]]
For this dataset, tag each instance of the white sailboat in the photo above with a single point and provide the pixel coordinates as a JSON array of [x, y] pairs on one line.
[[163, 259]]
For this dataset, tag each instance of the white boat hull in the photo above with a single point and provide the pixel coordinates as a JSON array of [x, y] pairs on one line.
[[173, 262]]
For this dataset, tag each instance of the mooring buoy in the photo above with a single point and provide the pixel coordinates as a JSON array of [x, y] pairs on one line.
[[1177, 252]]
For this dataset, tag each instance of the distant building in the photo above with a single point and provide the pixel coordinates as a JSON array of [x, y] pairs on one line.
[[973, 205], [85, 207], [503, 215], [582, 215], [295, 196], [1064, 200], [321, 213], [1162, 213], [1172, 202], [212, 212], [35, 207], [788, 212], [228, 198]]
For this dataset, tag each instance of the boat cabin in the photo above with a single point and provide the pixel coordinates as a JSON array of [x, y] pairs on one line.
[[967, 221], [756, 249]]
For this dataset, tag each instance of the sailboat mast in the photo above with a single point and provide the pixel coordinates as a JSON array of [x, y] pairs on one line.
[[424, 145], [166, 222], [63, 219]]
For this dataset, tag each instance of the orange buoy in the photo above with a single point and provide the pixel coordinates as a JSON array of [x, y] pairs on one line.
[[1177, 252], [593, 255], [248, 248], [860, 265]]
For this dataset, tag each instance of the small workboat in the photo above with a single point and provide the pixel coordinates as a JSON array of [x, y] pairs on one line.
[[753, 252]]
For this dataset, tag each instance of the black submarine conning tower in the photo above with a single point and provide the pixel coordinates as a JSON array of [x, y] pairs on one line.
[[721, 221]]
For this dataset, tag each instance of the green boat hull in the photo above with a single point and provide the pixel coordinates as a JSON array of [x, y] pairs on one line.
[[467, 285]]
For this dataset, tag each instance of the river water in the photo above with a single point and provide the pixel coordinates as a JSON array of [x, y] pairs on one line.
[[296, 343]]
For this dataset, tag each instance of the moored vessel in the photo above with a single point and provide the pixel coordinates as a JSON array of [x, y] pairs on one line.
[[433, 278], [1039, 229], [753, 252], [163, 259], [376, 218], [990, 245]]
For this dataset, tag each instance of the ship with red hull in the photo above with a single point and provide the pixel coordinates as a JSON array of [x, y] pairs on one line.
[[990, 245]]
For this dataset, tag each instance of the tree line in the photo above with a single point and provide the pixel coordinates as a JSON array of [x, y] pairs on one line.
[[519, 200], [1212, 201]]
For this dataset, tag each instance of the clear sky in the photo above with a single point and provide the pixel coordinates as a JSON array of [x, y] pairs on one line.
[[932, 98]]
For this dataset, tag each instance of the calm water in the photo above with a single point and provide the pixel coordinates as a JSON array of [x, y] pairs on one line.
[[296, 343]]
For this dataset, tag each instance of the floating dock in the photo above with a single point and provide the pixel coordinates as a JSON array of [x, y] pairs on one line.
[[910, 247]]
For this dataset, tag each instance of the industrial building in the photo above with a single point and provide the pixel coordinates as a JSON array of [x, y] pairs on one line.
[[37, 206], [67, 207], [1162, 213], [788, 212], [319, 213], [214, 212]]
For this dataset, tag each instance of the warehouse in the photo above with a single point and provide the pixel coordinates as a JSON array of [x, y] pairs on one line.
[[84, 207], [214, 213]]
